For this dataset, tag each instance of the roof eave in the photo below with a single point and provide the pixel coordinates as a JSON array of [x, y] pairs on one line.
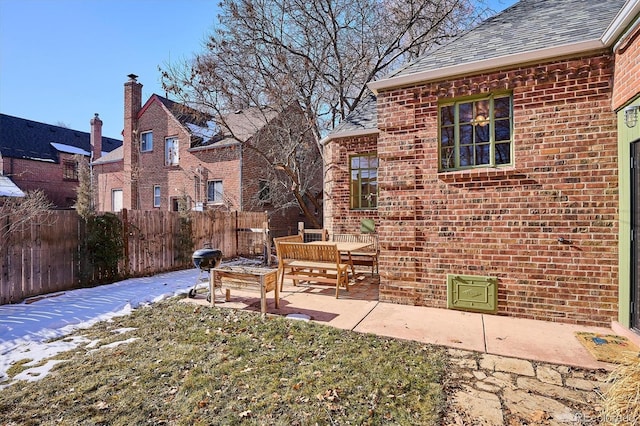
[[349, 134], [487, 64], [623, 19]]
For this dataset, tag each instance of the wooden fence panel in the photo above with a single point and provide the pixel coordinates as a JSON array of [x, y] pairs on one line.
[[45, 255]]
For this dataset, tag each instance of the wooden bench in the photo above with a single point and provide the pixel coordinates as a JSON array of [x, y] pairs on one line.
[[313, 263], [367, 256], [297, 238]]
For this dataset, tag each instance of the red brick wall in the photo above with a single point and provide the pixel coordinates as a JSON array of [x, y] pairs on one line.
[[339, 218], [108, 177], [627, 80], [503, 222], [30, 175], [196, 167]]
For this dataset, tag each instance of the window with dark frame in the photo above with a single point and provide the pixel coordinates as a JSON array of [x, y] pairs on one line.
[[70, 170], [214, 191], [363, 169], [476, 132], [263, 192]]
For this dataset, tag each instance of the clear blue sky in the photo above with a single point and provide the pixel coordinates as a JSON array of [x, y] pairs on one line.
[[61, 61]]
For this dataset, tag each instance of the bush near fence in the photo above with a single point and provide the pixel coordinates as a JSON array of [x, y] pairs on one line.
[[51, 254]]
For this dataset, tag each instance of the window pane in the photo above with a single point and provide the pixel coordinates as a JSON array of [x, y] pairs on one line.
[[446, 158], [466, 134], [448, 136], [483, 154], [503, 130], [466, 156], [447, 115], [466, 112], [482, 110], [503, 153], [355, 162], [502, 107], [482, 132]]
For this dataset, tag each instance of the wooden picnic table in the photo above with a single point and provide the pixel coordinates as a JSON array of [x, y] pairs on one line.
[[346, 248], [242, 277]]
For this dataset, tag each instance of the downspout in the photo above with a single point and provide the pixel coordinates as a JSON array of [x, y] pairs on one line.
[[241, 171]]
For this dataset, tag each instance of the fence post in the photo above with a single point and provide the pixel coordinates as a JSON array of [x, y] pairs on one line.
[[237, 239]]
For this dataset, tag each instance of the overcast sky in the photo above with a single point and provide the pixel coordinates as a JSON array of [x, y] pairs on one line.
[[61, 61]]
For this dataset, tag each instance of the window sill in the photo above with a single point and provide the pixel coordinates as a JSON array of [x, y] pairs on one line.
[[479, 173]]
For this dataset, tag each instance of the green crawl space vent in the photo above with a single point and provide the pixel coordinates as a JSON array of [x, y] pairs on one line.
[[472, 293]]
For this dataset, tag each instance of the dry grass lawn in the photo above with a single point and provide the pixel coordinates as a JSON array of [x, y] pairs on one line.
[[204, 366]]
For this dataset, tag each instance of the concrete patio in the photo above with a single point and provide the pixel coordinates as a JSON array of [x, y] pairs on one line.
[[360, 310]]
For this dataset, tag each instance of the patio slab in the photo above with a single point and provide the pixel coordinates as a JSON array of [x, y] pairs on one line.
[[536, 340], [359, 310], [429, 325]]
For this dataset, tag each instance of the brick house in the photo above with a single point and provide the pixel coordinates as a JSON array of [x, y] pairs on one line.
[[42, 156], [495, 168], [172, 154]]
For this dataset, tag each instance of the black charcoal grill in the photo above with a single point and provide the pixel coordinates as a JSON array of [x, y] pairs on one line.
[[205, 259]]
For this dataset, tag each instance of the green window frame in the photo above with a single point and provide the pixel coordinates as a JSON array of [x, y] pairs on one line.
[[476, 132], [363, 172]]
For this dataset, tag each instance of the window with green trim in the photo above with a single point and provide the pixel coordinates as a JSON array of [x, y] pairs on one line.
[[363, 169], [476, 132]]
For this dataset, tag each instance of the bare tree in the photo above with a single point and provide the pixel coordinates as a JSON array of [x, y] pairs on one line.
[[85, 204], [17, 211], [315, 55]]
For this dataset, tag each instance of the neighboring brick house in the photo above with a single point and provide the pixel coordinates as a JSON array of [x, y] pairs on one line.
[[42, 156], [491, 164], [172, 154]]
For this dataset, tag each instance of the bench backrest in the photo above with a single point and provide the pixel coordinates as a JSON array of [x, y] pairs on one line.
[[359, 238], [297, 238], [309, 252], [288, 239]]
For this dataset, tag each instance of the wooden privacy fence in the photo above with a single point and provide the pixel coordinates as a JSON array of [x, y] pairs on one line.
[[46, 254]]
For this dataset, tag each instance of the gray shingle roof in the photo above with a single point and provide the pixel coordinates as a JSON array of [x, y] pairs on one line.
[[524, 27], [527, 26], [363, 118]]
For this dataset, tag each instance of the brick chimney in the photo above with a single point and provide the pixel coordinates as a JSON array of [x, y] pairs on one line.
[[132, 106], [96, 137]]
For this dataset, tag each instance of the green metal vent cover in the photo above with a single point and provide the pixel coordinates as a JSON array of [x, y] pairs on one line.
[[472, 293], [367, 226]]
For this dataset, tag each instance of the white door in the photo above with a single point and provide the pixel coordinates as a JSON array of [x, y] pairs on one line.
[[116, 200]]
